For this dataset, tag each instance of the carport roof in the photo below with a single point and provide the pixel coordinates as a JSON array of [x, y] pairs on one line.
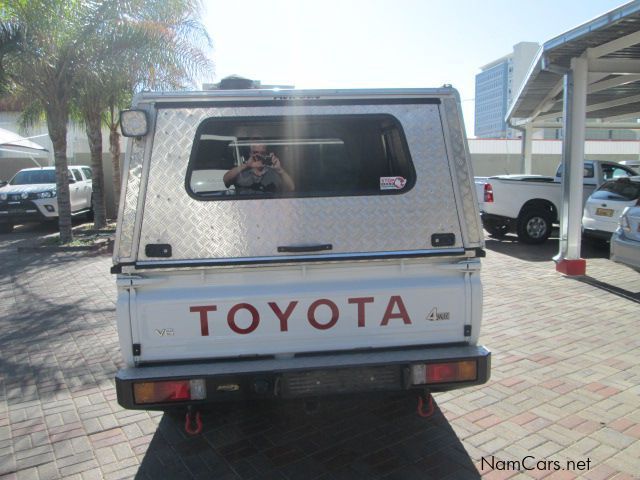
[[611, 44]]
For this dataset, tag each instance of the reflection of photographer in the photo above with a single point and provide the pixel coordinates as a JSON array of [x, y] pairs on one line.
[[262, 172]]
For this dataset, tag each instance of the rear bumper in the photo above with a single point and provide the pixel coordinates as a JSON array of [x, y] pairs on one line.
[[305, 376], [597, 234]]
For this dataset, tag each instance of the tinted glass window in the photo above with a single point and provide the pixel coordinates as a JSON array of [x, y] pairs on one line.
[[30, 177], [76, 175], [620, 190], [299, 156], [587, 171], [613, 171], [87, 173]]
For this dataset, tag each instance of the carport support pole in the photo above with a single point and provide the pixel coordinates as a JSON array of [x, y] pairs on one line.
[[568, 260], [527, 142]]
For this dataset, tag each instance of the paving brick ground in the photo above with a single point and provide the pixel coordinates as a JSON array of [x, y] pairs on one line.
[[565, 388]]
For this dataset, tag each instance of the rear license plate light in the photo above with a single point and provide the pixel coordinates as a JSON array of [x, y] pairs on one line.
[[446, 372], [169, 391]]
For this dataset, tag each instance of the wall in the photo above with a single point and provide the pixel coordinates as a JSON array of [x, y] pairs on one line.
[[500, 156]]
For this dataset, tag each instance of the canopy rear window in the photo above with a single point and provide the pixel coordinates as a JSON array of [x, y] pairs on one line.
[[299, 156]]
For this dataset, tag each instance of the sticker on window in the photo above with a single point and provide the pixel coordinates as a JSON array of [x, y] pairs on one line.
[[392, 183]]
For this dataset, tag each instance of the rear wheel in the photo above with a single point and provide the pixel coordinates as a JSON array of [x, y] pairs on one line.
[[534, 225]]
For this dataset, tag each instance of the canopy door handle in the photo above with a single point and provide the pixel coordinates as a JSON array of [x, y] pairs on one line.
[[304, 248]]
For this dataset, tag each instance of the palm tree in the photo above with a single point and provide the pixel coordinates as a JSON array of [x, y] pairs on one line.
[[40, 65], [52, 49], [155, 44], [48, 47]]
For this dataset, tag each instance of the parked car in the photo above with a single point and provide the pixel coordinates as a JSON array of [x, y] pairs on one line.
[[625, 241], [603, 208], [31, 196], [530, 204]]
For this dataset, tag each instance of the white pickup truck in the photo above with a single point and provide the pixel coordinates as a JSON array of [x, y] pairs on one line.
[[30, 196], [291, 244], [529, 204]]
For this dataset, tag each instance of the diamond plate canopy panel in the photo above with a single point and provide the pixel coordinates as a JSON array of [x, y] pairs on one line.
[[124, 249], [462, 174], [255, 228]]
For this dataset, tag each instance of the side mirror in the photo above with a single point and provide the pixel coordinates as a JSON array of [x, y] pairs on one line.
[[134, 123]]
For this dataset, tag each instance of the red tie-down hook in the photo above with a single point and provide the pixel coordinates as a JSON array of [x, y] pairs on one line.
[[192, 423], [427, 399]]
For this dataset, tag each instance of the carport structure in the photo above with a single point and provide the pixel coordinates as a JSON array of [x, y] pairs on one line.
[[589, 73]]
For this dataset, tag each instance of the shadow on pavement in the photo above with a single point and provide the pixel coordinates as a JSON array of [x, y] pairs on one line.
[[44, 328], [509, 245], [590, 249], [346, 438], [620, 292]]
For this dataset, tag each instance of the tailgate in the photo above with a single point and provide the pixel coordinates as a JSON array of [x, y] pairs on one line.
[[289, 309]]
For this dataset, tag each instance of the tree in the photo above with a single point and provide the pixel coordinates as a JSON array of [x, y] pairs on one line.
[[45, 50], [155, 44], [56, 51]]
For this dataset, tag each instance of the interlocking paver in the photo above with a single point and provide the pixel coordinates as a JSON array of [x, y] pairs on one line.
[[565, 387]]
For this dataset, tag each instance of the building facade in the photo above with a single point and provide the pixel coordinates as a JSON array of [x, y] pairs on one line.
[[496, 86]]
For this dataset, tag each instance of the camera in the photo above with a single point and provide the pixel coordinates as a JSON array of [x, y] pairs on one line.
[[266, 159]]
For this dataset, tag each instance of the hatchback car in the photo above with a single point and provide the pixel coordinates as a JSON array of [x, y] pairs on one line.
[[625, 241], [604, 207]]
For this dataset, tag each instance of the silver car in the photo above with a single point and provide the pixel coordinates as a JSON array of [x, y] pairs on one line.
[[603, 208], [625, 241]]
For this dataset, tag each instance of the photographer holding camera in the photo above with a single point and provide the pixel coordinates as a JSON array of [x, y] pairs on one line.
[[262, 172]]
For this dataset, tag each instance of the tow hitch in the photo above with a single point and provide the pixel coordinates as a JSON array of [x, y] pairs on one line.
[[425, 404], [193, 421]]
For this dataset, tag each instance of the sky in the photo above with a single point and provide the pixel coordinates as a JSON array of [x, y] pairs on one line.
[[381, 44]]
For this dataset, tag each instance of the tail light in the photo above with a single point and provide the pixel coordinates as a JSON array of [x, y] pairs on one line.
[[169, 391], [460, 371], [488, 193]]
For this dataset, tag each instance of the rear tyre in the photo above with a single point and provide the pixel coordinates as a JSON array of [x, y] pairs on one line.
[[534, 226], [6, 227]]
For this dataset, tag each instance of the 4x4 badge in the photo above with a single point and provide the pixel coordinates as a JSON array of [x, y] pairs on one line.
[[434, 316]]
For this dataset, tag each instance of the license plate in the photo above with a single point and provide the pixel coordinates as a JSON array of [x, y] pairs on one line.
[[604, 212]]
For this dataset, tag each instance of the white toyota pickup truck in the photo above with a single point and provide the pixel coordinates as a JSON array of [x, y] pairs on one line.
[[529, 204], [30, 196], [292, 244]]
